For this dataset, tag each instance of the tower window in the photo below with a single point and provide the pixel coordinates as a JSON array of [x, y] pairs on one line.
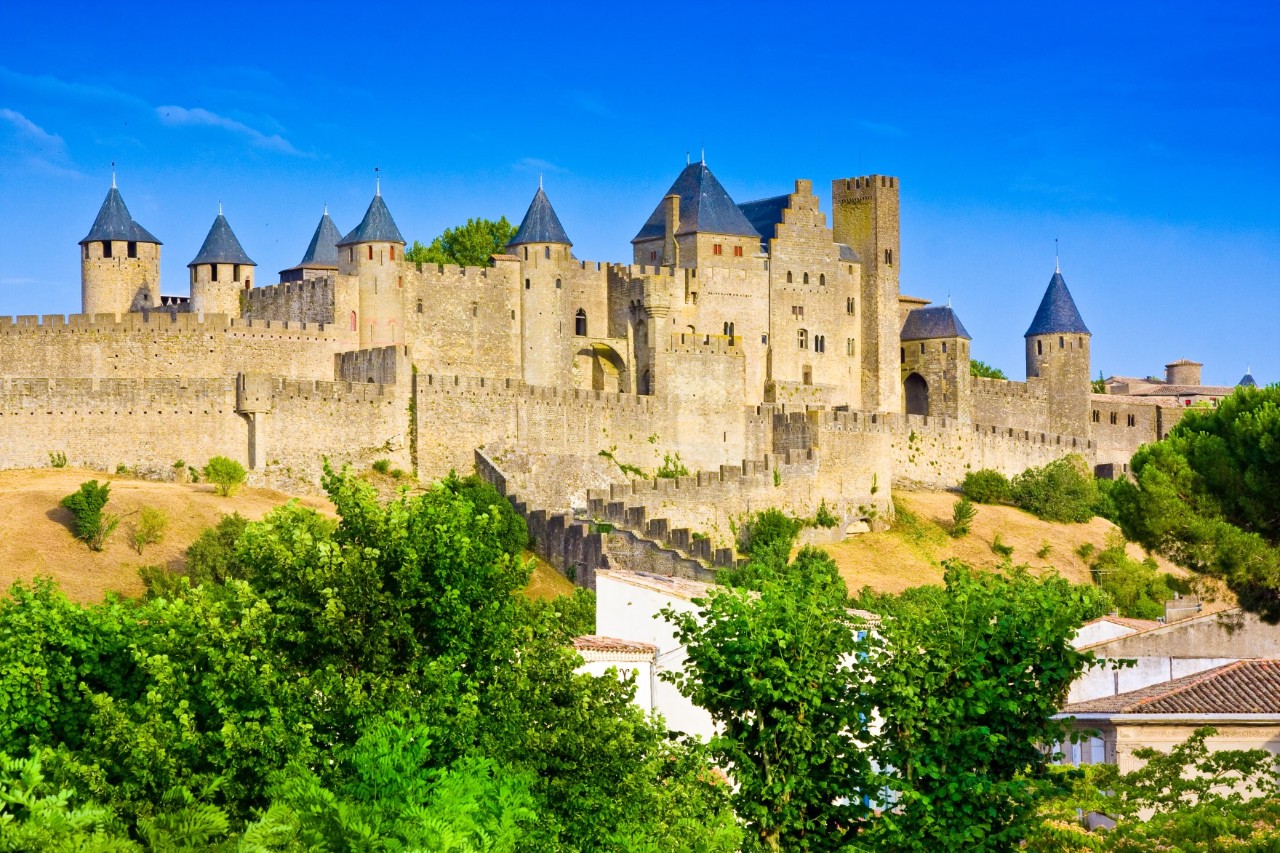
[[392, 251], [371, 253], [133, 249], [715, 249], [806, 278], [737, 251], [213, 272], [526, 284], [1039, 347], [557, 284], [1062, 342], [86, 251], [1113, 418], [1081, 342], [1132, 420], [1097, 416], [580, 323], [822, 279], [922, 347], [351, 256], [353, 321], [728, 330], [802, 338], [902, 356], [419, 306], [653, 256], [788, 276], [850, 347], [848, 305], [888, 257], [546, 252], [944, 346], [235, 272], [819, 343], [106, 248]]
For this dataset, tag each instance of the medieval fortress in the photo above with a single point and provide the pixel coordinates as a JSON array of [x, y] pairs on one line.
[[769, 348]]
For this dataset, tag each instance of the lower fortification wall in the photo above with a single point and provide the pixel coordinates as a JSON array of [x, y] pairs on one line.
[[294, 302], [1024, 405], [938, 452]]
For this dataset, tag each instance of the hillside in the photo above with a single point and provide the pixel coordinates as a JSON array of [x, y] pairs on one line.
[[36, 538], [911, 554]]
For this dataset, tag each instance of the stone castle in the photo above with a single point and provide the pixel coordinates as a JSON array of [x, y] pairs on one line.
[[768, 347]]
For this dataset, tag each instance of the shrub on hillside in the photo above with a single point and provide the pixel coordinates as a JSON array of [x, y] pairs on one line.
[[227, 475], [768, 528], [962, 517], [92, 525], [209, 558], [147, 528], [1139, 589], [986, 486], [1063, 490]]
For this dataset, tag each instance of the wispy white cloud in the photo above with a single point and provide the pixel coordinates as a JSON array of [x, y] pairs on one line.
[[536, 164], [32, 147], [199, 117], [882, 127], [52, 87]]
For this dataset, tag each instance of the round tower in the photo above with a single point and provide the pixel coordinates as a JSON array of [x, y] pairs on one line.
[[372, 255], [543, 249], [119, 262], [220, 271], [1058, 354]]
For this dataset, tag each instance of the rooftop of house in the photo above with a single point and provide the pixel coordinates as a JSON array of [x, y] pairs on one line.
[[1242, 687], [596, 643], [705, 207]]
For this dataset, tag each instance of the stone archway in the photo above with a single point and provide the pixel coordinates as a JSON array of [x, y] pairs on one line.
[[915, 394], [598, 367]]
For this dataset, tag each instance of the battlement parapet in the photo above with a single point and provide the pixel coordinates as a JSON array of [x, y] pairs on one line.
[[634, 271], [864, 182], [160, 322], [319, 285], [684, 343], [453, 274], [1003, 387]]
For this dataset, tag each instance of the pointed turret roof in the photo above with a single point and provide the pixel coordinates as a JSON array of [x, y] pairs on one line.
[[376, 227], [940, 321], [704, 207], [322, 251], [115, 223], [540, 223], [1057, 313], [221, 246], [1247, 381]]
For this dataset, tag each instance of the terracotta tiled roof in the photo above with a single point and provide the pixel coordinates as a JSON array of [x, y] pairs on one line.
[[594, 643], [1243, 687]]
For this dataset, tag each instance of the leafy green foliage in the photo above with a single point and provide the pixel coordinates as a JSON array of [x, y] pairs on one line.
[[986, 486], [225, 474], [672, 467], [210, 557], [1138, 588], [964, 721], [382, 466], [1208, 496], [824, 517], [513, 531], [774, 669], [1000, 548], [57, 459], [470, 245], [1062, 490], [962, 515], [981, 368], [768, 528], [92, 525], [147, 528]]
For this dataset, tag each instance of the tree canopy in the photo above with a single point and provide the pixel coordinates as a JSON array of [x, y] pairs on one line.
[[470, 245], [981, 368]]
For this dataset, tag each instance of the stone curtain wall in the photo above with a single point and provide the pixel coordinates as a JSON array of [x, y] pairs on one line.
[[294, 302]]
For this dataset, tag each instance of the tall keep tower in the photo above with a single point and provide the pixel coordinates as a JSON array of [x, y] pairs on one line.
[[220, 271], [542, 246], [371, 254], [119, 262], [864, 215], [1058, 353]]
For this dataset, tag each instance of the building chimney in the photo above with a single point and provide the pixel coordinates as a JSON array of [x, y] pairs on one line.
[[669, 250]]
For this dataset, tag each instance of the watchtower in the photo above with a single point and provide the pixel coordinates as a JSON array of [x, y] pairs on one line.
[[372, 253], [119, 262], [864, 216], [220, 271], [543, 249], [1058, 353], [934, 366]]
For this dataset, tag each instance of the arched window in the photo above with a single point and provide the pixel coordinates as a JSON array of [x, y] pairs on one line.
[[580, 323], [728, 330], [393, 253], [848, 305], [806, 278], [353, 321], [370, 252], [419, 306], [802, 338], [546, 252], [642, 334], [822, 279], [557, 284], [788, 276], [819, 343]]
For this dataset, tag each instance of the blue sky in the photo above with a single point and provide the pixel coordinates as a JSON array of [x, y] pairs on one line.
[[1145, 136]]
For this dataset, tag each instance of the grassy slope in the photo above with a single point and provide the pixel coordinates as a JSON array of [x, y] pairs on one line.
[[911, 555]]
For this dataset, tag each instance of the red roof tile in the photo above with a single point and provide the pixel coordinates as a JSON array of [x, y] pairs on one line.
[[1243, 687]]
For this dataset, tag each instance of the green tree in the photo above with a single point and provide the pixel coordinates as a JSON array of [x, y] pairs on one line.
[[1208, 496], [470, 245], [147, 528], [227, 475], [981, 368], [775, 669], [513, 532], [986, 486], [966, 690], [92, 525], [962, 515], [212, 556], [1062, 490]]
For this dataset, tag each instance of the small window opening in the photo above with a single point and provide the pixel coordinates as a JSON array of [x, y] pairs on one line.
[[902, 356], [557, 284], [802, 338], [1097, 416], [86, 251], [1113, 418], [715, 249], [351, 256], [922, 347], [806, 278], [526, 253], [132, 249], [1132, 420], [944, 346], [1062, 342], [848, 305], [526, 284], [235, 272], [888, 257], [106, 248], [580, 323], [822, 279], [788, 276], [392, 251], [819, 343], [371, 253], [850, 347], [653, 256], [353, 321], [737, 251], [213, 272], [419, 306], [1039, 347], [546, 252]]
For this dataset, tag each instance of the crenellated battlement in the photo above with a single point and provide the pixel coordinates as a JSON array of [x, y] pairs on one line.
[[707, 345], [160, 322]]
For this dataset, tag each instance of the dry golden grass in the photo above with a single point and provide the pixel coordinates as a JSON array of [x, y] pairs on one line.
[[908, 555], [546, 581], [36, 537]]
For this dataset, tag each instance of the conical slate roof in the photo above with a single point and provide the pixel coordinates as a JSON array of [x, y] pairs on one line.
[[322, 251], [221, 246], [939, 321], [1247, 381], [376, 227], [540, 224], [704, 207], [115, 223], [1057, 313]]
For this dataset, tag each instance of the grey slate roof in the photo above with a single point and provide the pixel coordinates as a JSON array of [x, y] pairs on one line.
[[763, 214], [936, 322], [115, 223], [376, 227], [540, 223], [1248, 381], [704, 207], [848, 254], [221, 246], [1057, 313], [322, 251]]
